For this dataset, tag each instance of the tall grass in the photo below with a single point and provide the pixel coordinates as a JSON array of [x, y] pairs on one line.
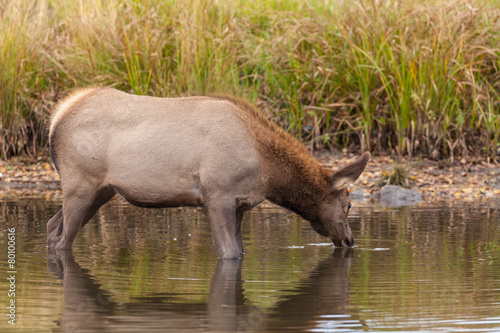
[[416, 77]]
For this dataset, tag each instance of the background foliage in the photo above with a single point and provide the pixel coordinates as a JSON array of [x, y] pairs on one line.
[[408, 76]]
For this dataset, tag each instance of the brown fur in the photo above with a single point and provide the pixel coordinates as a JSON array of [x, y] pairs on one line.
[[219, 151], [300, 176]]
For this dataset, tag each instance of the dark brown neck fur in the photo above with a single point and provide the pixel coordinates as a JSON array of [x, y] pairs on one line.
[[293, 178], [296, 182]]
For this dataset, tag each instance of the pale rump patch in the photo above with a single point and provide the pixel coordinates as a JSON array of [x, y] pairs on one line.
[[66, 103]]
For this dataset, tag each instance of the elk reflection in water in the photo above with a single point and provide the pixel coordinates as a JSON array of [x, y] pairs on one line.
[[87, 307], [427, 267]]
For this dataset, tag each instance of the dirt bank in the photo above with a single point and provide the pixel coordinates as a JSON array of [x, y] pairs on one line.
[[462, 180]]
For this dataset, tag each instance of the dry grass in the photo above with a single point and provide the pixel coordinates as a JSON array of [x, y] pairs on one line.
[[416, 77], [400, 176]]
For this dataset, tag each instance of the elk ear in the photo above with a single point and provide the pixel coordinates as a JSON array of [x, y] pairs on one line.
[[350, 172]]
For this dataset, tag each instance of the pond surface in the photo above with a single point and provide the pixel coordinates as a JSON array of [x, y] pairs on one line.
[[427, 267]]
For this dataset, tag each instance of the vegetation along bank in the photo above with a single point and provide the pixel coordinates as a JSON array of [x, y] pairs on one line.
[[409, 77]]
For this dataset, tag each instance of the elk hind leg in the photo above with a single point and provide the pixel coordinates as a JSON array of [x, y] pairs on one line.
[[79, 206]]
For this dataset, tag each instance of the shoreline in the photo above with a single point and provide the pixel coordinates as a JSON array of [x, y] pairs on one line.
[[435, 180]]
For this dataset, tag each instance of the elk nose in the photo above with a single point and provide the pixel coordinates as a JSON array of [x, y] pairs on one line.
[[349, 241]]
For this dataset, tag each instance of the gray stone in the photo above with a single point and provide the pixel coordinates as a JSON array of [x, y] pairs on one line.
[[397, 196], [358, 195]]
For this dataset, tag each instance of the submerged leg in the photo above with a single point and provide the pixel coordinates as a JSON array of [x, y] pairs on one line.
[[54, 229], [222, 217], [104, 196], [79, 206], [237, 231]]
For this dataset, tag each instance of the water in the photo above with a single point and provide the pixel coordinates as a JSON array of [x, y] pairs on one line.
[[431, 267]]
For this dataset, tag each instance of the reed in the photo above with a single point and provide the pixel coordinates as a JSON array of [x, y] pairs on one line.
[[416, 77]]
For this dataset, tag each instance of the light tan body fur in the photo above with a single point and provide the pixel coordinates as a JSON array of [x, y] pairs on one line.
[[167, 152]]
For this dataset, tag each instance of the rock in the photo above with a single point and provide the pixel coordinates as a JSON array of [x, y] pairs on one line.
[[397, 196], [358, 195]]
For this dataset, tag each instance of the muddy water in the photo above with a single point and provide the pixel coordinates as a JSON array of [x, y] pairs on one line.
[[431, 267]]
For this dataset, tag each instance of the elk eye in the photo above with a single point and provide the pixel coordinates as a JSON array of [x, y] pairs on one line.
[[349, 207]]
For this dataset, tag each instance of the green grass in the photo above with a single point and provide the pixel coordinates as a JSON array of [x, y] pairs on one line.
[[415, 77]]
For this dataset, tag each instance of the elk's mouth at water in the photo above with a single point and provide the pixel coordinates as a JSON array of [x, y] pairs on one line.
[[348, 242]]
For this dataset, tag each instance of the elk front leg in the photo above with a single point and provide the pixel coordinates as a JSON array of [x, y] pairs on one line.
[[237, 231], [225, 228]]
